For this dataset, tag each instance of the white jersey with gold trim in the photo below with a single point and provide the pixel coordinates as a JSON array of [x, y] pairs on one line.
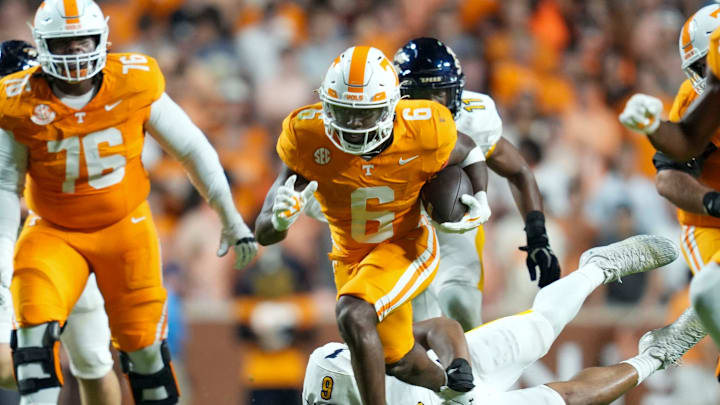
[[478, 118]]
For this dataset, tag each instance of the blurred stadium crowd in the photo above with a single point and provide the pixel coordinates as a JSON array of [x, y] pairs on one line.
[[560, 72]]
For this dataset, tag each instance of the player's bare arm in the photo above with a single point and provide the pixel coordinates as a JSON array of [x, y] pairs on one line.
[[465, 155], [687, 138], [266, 231], [444, 336], [507, 161], [679, 184], [682, 189]]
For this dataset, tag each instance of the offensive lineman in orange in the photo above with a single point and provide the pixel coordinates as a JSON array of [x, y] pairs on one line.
[[368, 153], [75, 126]]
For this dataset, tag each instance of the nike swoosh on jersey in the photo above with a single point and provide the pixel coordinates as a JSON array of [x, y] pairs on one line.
[[406, 161], [109, 107], [136, 220]]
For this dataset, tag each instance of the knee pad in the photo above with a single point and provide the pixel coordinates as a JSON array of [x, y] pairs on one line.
[[164, 378], [45, 356]]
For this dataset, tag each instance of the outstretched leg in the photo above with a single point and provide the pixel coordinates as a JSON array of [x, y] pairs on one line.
[[560, 302], [657, 350], [501, 350]]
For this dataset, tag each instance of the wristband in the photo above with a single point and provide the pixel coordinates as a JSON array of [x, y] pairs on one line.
[[711, 202]]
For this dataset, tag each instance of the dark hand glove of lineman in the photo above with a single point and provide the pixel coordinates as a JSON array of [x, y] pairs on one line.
[[540, 257], [459, 376]]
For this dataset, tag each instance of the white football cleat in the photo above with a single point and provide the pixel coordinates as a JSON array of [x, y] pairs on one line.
[[636, 254], [670, 343]]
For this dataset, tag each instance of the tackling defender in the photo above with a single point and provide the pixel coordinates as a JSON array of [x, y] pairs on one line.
[[502, 349], [685, 140], [75, 126], [429, 69], [368, 154]]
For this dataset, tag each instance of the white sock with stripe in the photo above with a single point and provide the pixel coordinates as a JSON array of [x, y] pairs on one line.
[[645, 365]]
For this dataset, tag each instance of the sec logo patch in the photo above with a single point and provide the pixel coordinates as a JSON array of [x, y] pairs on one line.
[[42, 114], [322, 156]]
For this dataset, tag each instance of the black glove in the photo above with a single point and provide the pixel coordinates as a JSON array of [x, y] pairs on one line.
[[459, 376], [540, 255], [711, 202]]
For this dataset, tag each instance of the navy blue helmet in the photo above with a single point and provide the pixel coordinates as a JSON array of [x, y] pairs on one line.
[[16, 56], [429, 69]]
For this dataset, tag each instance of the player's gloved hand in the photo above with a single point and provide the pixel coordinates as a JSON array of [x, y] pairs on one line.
[[459, 375], [314, 210], [241, 238], [459, 384], [540, 257], [478, 213], [642, 113], [289, 203]]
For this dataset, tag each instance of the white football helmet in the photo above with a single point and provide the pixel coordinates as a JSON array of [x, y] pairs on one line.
[[359, 94], [694, 42], [70, 18]]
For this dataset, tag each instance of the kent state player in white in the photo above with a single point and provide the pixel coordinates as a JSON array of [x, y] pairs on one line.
[[87, 335], [502, 349], [428, 69]]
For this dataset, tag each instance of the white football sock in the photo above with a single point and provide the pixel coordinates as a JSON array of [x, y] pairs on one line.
[[645, 365]]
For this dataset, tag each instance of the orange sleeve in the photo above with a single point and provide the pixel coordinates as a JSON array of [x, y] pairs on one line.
[[446, 136], [685, 96], [139, 75]]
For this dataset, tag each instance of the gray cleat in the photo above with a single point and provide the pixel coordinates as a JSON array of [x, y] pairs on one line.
[[636, 254], [670, 343]]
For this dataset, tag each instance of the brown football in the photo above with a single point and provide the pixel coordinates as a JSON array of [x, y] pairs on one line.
[[441, 194]]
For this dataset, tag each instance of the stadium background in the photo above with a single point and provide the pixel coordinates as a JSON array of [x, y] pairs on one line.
[[559, 70]]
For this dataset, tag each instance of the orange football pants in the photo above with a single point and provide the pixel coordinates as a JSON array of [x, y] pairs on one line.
[[389, 277], [700, 245], [52, 265]]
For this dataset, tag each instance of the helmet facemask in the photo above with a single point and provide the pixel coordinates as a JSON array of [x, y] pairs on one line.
[[357, 130], [696, 73], [73, 67], [447, 94]]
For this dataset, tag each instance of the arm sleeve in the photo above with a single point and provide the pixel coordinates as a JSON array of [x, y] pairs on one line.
[[13, 166], [183, 140]]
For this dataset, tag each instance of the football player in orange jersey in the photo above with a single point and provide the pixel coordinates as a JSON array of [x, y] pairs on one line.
[[87, 336], [75, 127], [368, 154], [691, 136]]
